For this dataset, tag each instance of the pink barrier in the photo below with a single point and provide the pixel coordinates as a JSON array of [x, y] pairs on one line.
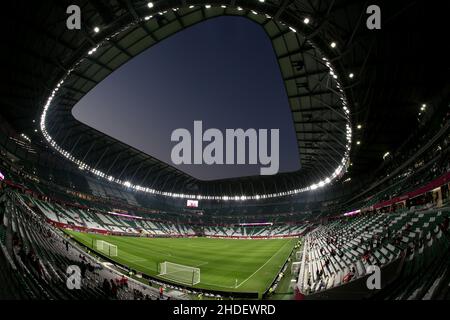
[[105, 232]]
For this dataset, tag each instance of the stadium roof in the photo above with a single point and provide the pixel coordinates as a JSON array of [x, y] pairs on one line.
[[337, 74]]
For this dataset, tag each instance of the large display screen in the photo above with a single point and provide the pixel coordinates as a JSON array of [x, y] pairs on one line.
[[192, 204], [255, 224]]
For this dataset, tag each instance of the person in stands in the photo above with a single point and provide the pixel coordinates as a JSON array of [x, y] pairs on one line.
[[106, 287], [124, 282], [349, 275], [444, 225], [113, 289]]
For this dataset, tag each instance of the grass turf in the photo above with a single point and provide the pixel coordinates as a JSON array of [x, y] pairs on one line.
[[225, 264]]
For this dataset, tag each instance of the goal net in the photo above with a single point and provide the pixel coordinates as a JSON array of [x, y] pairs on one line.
[[179, 273], [107, 248]]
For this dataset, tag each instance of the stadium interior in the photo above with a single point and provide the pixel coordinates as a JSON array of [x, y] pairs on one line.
[[371, 112]]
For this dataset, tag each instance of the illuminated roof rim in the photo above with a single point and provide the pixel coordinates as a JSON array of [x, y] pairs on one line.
[[83, 166]]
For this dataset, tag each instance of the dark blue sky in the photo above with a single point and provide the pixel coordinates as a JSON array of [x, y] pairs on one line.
[[222, 71]]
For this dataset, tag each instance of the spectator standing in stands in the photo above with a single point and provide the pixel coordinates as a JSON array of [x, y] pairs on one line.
[[124, 282], [444, 225], [83, 269], [349, 275], [113, 289], [106, 287]]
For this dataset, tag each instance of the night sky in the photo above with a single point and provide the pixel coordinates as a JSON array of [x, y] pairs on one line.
[[222, 71]]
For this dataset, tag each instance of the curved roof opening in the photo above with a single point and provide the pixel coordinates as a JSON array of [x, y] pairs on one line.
[[222, 71], [315, 88]]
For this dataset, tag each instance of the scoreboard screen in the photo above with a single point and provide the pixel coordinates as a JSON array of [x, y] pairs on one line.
[[192, 204]]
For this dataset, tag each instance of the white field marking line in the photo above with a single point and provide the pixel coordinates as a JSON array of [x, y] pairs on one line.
[[169, 254], [124, 253], [131, 257], [201, 264], [138, 260], [262, 265], [142, 265]]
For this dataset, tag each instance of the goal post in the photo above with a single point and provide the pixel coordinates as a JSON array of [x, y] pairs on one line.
[[179, 273], [107, 248]]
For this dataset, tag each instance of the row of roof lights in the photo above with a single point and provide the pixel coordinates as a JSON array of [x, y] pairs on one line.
[[83, 166], [90, 52], [359, 127], [423, 108], [306, 20], [25, 137], [346, 160]]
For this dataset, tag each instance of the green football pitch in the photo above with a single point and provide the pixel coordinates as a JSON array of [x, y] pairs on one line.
[[231, 265]]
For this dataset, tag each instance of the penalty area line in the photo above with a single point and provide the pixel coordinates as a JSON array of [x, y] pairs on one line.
[[240, 284]]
